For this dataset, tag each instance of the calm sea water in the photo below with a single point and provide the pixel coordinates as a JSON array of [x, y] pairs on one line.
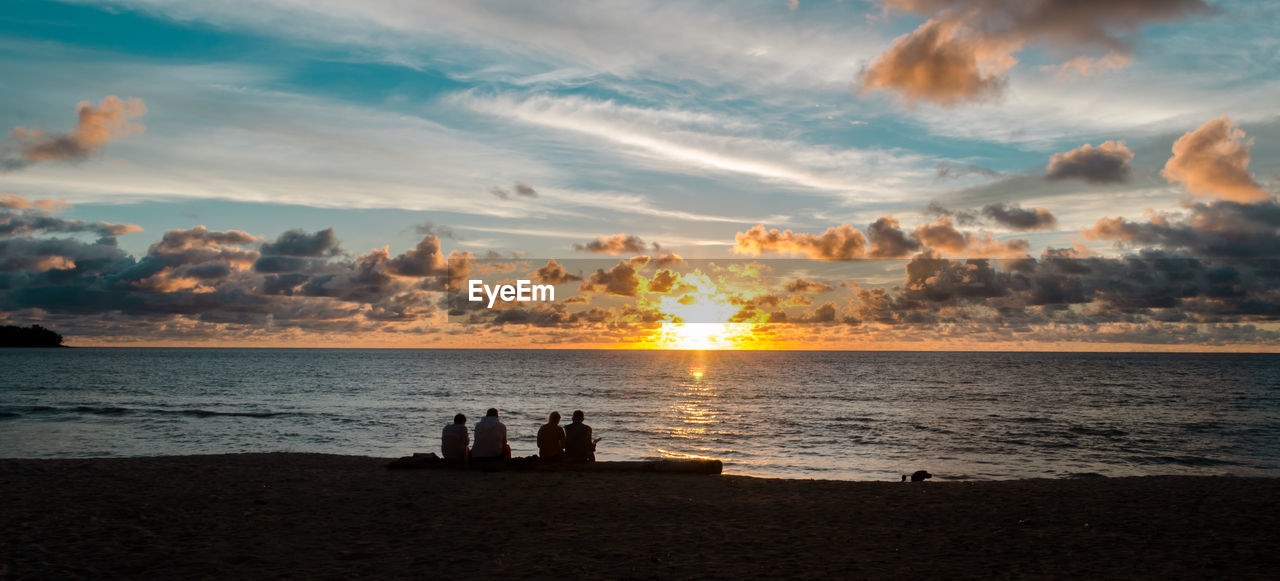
[[844, 415]]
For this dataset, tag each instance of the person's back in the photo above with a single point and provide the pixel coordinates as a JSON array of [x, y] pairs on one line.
[[491, 436], [551, 439], [578, 446], [454, 439]]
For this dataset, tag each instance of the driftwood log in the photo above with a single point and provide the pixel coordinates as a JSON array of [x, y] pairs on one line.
[[532, 464]]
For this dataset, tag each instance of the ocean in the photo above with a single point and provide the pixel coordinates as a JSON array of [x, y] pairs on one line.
[[789, 414]]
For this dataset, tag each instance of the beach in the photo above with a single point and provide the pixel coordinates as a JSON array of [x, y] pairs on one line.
[[313, 516]]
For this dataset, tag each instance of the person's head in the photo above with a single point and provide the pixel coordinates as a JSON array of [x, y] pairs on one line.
[[493, 413], [553, 418], [578, 416], [459, 419]]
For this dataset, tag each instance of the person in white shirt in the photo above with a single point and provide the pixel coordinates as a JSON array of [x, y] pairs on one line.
[[454, 440], [491, 438]]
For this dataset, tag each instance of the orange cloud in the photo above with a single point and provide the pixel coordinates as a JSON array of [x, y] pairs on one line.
[[943, 236], [111, 119], [843, 242], [1213, 161], [936, 63], [963, 49]]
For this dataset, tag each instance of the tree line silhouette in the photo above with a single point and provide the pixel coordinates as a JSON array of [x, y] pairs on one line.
[[33, 336]]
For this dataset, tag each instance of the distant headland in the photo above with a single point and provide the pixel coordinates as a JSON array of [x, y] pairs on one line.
[[33, 336]]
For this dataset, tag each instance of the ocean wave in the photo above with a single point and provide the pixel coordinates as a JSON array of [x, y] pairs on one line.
[[209, 414], [117, 411], [1108, 432]]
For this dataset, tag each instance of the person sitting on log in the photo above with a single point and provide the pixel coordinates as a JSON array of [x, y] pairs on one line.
[[491, 438], [578, 445], [454, 440], [551, 439]]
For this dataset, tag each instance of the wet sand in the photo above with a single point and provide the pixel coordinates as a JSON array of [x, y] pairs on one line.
[[306, 516]]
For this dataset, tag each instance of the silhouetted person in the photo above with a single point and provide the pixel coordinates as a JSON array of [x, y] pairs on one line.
[[551, 439], [491, 438], [578, 445], [455, 439]]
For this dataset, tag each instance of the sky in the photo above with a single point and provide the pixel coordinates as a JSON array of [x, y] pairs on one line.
[[888, 174]]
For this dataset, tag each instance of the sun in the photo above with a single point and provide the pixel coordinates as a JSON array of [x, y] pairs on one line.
[[698, 336]]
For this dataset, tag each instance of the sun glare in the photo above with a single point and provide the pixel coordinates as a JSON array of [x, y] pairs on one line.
[[700, 319]]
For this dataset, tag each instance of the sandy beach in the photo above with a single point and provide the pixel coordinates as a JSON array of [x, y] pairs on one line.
[[306, 516]]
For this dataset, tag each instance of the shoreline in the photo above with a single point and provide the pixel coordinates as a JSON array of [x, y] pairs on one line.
[[318, 515]]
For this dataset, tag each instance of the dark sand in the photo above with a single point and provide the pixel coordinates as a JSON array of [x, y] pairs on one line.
[[314, 516]]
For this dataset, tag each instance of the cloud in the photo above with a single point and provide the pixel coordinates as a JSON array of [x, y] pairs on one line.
[[842, 242], [521, 189], [675, 139], [615, 244], [1220, 229], [962, 217], [19, 216], [801, 285], [946, 170], [620, 280], [525, 190], [439, 230], [15, 202], [111, 119], [888, 241], [425, 259], [1083, 66], [1213, 161], [1107, 163], [964, 48], [941, 235], [1017, 218], [935, 63], [553, 273], [299, 243]]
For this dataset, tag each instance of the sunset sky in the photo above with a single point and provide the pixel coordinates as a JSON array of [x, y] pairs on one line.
[[895, 174]]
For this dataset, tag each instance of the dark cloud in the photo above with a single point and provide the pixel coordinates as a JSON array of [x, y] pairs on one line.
[[888, 241], [961, 217], [437, 230], [620, 280], [299, 243], [663, 281], [1018, 218], [525, 190], [1107, 163], [95, 126], [1219, 229], [520, 188], [1213, 161], [963, 49], [801, 285], [615, 244]]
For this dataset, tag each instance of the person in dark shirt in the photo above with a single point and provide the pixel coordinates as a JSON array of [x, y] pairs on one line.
[[551, 439], [454, 440], [578, 445]]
